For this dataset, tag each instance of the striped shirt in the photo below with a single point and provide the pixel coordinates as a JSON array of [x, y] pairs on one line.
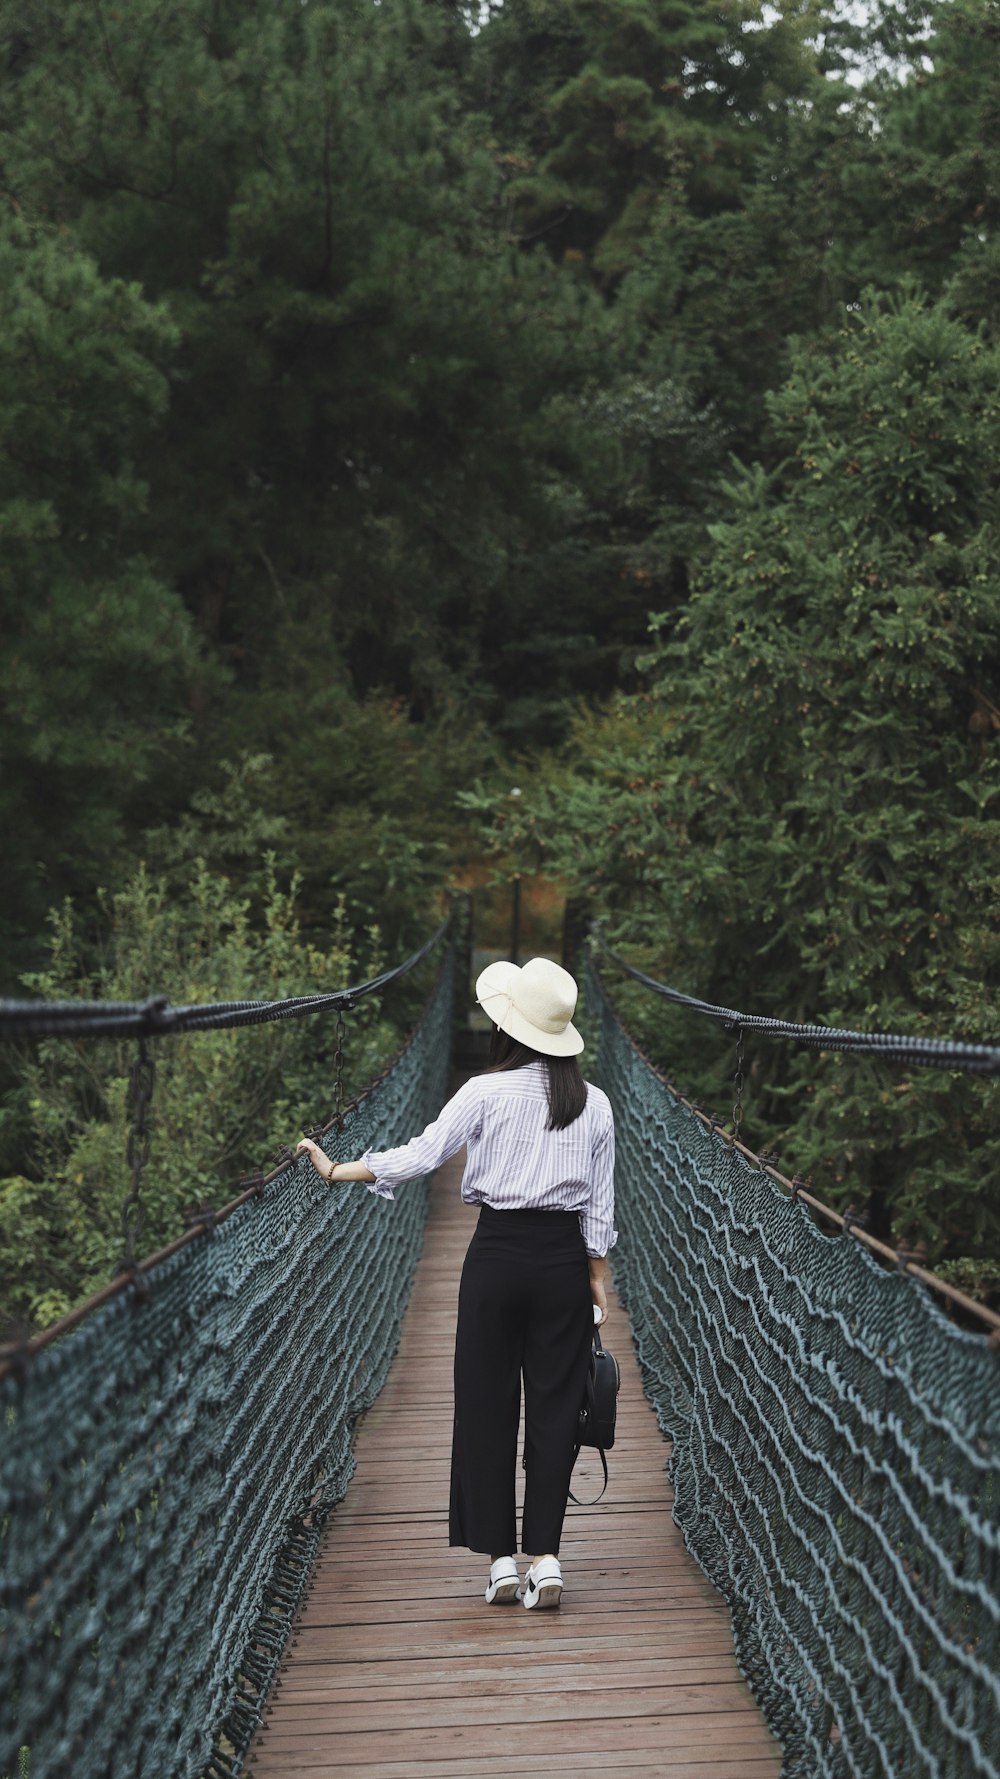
[[513, 1161]]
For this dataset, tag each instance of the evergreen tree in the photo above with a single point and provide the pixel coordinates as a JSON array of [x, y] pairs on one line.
[[926, 199], [358, 468], [358, 350], [802, 816], [99, 661], [609, 107], [680, 156]]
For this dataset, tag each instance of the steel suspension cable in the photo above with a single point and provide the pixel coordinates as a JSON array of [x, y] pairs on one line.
[[97, 1019], [931, 1053]]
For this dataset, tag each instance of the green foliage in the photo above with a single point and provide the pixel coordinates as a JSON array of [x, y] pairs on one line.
[[614, 107], [361, 352], [925, 200], [366, 813], [98, 655], [801, 816], [367, 380], [387, 837], [223, 1101]]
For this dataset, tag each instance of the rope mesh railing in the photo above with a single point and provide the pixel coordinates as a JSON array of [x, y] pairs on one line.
[[166, 1472], [836, 1449]]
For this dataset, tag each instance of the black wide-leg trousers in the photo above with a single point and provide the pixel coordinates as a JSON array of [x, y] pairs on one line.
[[524, 1310]]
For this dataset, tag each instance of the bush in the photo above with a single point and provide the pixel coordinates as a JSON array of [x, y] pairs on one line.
[[223, 1100]]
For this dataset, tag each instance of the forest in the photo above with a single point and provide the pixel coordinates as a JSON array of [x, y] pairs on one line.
[[405, 403]]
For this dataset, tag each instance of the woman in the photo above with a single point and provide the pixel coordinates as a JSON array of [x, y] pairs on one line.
[[540, 1164]]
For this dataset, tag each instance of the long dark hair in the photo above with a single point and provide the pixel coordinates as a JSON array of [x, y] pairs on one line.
[[565, 1085]]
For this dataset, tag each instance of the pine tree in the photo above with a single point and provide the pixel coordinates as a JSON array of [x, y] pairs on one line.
[[606, 110], [801, 817], [925, 200], [99, 660]]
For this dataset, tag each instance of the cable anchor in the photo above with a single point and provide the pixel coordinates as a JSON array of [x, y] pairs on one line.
[[142, 1080], [854, 1219], [738, 1084], [338, 1066]]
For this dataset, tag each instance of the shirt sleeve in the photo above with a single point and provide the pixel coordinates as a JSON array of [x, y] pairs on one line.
[[457, 1121], [597, 1219]]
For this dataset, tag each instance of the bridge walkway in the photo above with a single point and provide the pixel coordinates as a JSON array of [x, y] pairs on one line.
[[398, 1667]]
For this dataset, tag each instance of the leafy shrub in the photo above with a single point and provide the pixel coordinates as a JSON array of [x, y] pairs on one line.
[[223, 1100]]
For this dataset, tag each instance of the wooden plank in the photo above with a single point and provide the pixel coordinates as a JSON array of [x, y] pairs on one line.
[[515, 1705], [398, 1668], [589, 1585], [739, 1735], [413, 1640], [443, 1614], [425, 1678], [637, 1763]]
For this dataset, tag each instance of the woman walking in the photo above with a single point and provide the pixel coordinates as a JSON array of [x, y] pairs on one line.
[[540, 1164]]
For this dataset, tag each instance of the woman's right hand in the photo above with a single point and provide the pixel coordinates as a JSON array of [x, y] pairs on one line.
[[600, 1297], [333, 1170], [321, 1162], [598, 1267]]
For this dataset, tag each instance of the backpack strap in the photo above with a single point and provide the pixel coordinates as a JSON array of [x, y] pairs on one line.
[[604, 1463]]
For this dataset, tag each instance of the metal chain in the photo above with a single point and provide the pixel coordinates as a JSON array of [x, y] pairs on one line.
[[338, 1064], [142, 1079], [738, 1081]]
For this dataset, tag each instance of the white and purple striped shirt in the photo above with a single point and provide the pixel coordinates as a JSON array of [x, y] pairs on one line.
[[513, 1161]]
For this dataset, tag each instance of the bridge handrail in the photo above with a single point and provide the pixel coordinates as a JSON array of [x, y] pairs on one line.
[[905, 1259], [835, 1446], [931, 1053], [165, 1475], [155, 1015], [100, 1019]]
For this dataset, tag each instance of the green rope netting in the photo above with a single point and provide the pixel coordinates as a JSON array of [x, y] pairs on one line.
[[836, 1450], [166, 1470]]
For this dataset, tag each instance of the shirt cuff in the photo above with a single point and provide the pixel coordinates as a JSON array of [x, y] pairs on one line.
[[371, 1158], [597, 1234]]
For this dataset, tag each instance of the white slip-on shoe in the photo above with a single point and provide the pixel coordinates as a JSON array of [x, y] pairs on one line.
[[504, 1584], [543, 1583]]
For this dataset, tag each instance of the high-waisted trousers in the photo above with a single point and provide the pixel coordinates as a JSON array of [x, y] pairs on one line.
[[524, 1309]]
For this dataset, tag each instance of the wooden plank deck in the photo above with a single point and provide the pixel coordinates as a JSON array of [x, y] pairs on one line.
[[398, 1667]]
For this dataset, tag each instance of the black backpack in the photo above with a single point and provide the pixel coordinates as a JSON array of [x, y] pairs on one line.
[[597, 1411]]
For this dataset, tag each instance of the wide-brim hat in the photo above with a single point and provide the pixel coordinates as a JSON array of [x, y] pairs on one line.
[[534, 1005]]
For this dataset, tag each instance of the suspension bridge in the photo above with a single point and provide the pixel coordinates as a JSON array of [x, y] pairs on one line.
[[223, 1480]]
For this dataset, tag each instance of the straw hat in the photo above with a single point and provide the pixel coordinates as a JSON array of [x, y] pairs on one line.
[[534, 1005]]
